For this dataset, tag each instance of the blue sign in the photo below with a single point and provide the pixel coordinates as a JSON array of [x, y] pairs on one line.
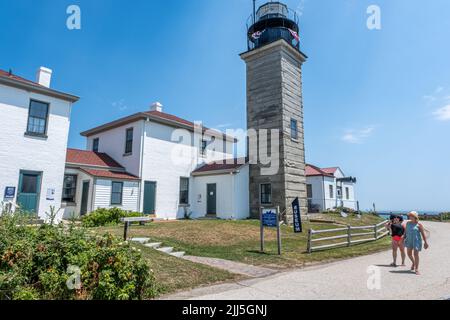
[[10, 192], [298, 228], [269, 218]]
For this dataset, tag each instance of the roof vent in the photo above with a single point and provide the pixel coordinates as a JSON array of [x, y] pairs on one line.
[[156, 106]]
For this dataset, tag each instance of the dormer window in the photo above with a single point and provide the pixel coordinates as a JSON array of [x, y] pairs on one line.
[[95, 144], [37, 118], [129, 141]]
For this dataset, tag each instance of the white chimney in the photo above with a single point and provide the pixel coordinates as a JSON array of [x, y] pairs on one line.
[[44, 76], [157, 106]]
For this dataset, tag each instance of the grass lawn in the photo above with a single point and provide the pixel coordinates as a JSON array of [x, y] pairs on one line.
[[174, 274], [239, 241]]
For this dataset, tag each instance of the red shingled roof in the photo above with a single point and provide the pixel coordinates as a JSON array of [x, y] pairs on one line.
[[330, 170], [155, 116], [109, 174], [169, 117], [221, 166], [312, 171], [89, 158], [14, 77]]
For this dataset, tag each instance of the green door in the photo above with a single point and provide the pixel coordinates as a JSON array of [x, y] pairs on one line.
[[149, 197], [211, 202], [29, 190], [84, 198]]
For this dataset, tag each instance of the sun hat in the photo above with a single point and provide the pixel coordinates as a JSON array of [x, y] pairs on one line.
[[414, 214]]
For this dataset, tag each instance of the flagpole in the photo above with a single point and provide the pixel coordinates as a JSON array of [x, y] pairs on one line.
[[254, 11]]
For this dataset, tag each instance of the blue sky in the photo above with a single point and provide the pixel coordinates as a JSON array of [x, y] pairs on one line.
[[375, 101]]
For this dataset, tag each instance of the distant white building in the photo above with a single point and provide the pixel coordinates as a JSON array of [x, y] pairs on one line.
[[145, 163], [329, 188], [35, 123]]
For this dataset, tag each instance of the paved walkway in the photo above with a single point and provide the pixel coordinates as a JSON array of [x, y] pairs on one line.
[[348, 279], [233, 267]]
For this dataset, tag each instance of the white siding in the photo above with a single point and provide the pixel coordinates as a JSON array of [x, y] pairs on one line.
[[165, 162], [232, 195], [102, 195], [112, 142], [20, 152]]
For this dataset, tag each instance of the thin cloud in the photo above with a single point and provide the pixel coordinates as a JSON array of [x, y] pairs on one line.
[[434, 96], [442, 114], [358, 136], [120, 105]]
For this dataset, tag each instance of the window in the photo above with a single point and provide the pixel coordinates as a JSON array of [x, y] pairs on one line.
[[309, 191], [69, 188], [339, 192], [294, 129], [116, 193], [129, 141], [29, 183], [203, 146], [37, 118], [331, 191], [95, 144], [184, 191], [266, 193], [347, 193]]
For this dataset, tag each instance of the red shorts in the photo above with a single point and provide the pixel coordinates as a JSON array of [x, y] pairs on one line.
[[397, 238]]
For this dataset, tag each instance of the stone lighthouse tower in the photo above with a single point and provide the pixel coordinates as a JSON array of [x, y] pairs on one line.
[[274, 102]]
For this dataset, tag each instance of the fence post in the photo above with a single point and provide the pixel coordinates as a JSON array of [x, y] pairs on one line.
[[376, 232], [309, 241], [349, 236], [442, 217]]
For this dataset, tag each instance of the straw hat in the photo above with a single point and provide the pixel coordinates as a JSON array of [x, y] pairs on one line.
[[414, 214]]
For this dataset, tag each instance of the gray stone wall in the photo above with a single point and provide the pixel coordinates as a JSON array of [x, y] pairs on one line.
[[274, 97]]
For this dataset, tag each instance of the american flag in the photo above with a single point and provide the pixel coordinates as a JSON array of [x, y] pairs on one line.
[[257, 34], [295, 35]]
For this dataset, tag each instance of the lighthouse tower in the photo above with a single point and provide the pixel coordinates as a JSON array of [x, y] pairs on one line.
[[275, 102]]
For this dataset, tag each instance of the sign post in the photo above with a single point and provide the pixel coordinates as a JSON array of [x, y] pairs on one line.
[[270, 218], [298, 228]]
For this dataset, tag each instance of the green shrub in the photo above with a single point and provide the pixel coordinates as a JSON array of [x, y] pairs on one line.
[[104, 217], [39, 263]]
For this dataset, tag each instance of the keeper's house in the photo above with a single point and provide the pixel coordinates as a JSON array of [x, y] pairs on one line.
[[145, 163], [329, 188], [35, 123]]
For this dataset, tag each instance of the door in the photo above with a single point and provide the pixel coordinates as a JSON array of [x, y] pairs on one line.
[[150, 197], [211, 203], [29, 191], [84, 198]]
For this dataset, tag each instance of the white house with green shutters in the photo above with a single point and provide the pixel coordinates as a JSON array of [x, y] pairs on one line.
[[183, 169], [35, 123]]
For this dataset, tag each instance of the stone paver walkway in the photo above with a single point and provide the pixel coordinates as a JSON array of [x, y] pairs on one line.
[[233, 267]]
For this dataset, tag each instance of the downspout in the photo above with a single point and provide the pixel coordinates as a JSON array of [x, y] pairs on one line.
[[141, 167], [324, 195]]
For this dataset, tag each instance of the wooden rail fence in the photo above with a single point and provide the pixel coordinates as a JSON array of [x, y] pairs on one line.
[[352, 235]]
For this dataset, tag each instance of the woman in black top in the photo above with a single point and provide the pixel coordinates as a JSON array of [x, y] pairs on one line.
[[397, 230]]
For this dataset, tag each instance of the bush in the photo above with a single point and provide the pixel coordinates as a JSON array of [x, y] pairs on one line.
[[60, 263], [104, 217]]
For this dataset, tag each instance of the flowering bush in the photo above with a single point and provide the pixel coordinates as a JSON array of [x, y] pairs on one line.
[[103, 217], [65, 263]]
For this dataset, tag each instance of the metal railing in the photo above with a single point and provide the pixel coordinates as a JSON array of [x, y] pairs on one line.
[[363, 234]]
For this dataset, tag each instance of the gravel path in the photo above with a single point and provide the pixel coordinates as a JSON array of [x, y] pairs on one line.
[[349, 279]]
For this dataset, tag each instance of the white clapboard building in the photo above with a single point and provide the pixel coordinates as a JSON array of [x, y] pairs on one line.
[[35, 122], [158, 164], [329, 188]]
